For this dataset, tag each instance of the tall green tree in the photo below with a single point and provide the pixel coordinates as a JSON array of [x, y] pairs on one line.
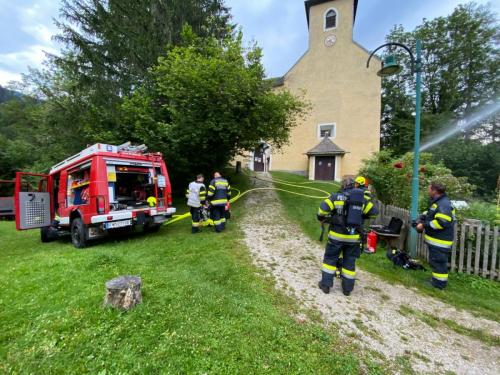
[[461, 72], [111, 44], [209, 101], [109, 47], [17, 127], [472, 159]]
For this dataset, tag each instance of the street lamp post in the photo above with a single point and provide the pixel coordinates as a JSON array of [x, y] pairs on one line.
[[390, 67]]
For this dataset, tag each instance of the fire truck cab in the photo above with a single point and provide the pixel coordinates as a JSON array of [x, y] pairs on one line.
[[101, 189]]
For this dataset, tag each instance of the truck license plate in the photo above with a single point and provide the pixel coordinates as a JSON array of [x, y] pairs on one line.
[[118, 224]]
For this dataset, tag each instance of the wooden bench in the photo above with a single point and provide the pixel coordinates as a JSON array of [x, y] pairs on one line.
[[395, 240]]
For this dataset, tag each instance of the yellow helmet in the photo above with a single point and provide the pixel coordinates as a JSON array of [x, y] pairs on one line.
[[151, 201], [360, 180]]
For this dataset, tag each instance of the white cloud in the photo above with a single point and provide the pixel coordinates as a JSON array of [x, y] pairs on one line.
[[36, 20], [33, 56], [14, 63], [254, 6], [42, 33], [7, 76]]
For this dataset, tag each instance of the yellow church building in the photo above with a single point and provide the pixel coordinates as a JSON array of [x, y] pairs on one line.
[[343, 126]]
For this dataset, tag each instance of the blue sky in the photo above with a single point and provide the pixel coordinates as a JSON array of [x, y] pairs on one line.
[[278, 26]]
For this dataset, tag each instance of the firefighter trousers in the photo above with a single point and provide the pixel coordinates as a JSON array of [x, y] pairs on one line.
[[350, 252], [438, 260], [219, 218], [195, 219]]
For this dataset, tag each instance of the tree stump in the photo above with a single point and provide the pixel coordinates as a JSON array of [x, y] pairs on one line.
[[123, 292]]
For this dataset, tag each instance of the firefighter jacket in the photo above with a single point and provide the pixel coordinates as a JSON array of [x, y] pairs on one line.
[[334, 211], [219, 192], [438, 223], [196, 194], [368, 194]]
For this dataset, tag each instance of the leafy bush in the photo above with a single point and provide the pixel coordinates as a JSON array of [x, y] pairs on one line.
[[391, 178], [208, 101], [484, 211], [474, 159]]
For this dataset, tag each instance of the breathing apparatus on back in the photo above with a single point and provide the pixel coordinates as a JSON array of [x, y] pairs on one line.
[[354, 210], [350, 214]]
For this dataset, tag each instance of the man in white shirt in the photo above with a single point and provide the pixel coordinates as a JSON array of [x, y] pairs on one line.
[[196, 195]]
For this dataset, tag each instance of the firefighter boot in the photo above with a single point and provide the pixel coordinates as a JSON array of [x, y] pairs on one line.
[[325, 289]]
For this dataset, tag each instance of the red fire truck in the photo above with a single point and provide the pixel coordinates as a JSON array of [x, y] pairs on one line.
[[101, 189]]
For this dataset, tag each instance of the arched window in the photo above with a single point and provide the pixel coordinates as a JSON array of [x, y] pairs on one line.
[[330, 19]]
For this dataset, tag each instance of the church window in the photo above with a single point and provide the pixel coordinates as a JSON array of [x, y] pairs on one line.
[[330, 19], [326, 130]]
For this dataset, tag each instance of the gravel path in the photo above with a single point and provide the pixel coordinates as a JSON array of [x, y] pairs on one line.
[[372, 313]]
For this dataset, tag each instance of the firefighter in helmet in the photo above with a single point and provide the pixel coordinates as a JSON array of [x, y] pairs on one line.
[[360, 182], [345, 212], [196, 195], [438, 224], [219, 193]]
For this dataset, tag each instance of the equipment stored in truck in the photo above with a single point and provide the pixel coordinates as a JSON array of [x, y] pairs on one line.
[[102, 189]]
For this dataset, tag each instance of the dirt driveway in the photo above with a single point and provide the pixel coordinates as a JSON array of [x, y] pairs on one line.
[[383, 317]]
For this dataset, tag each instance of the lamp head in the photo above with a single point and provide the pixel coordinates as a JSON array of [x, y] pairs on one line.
[[389, 67]]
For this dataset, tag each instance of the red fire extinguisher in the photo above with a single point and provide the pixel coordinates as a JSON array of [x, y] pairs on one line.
[[371, 242]]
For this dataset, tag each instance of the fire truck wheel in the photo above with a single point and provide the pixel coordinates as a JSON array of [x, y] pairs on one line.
[[45, 235], [78, 235]]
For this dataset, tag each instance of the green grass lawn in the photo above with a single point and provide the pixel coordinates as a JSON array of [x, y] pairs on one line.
[[205, 309], [472, 293]]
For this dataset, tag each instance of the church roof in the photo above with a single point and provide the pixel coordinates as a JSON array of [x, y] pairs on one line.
[[326, 147], [277, 81], [310, 3]]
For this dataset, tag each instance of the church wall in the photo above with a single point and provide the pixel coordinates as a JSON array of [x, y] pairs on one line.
[[340, 90]]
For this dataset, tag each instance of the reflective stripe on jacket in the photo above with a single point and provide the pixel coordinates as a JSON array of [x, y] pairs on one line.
[[335, 205], [439, 222], [219, 192]]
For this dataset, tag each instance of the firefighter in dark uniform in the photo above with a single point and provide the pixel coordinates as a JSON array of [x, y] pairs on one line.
[[344, 211], [219, 193], [197, 196], [438, 223], [360, 182]]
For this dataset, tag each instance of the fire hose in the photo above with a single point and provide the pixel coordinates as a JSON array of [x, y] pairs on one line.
[[240, 194]]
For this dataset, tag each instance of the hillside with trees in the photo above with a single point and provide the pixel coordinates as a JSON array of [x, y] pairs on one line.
[[6, 94]]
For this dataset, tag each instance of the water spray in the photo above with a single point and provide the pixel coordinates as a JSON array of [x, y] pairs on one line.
[[464, 124]]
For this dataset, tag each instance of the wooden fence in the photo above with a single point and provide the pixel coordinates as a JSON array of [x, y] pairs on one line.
[[475, 249]]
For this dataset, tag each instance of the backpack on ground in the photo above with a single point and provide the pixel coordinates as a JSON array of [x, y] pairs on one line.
[[401, 259]]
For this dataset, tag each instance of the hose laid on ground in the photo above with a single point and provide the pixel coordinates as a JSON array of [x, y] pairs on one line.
[[240, 194], [287, 183]]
